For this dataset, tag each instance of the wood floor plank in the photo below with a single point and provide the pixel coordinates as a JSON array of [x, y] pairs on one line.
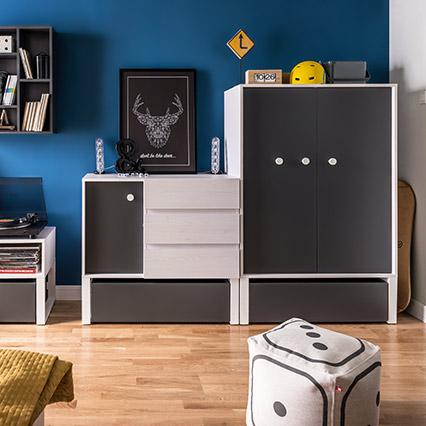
[[190, 375]]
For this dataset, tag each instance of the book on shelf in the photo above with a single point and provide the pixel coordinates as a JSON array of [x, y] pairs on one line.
[[33, 249], [10, 90], [19, 271], [25, 119], [4, 99], [35, 127], [32, 117], [45, 101], [3, 80], [42, 66], [26, 63], [35, 113]]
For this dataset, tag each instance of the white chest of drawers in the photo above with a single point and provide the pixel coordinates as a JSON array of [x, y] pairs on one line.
[[161, 227], [191, 228]]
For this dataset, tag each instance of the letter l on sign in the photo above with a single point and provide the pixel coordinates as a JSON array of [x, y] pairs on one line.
[[240, 44]]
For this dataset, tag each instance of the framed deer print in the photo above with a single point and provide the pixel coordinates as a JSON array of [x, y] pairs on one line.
[[157, 112]]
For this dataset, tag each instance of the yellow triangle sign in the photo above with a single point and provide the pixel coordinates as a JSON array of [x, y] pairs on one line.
[[240, 44]]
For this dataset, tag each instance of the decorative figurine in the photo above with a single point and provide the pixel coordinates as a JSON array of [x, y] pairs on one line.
[[6, 44], [215, 156], [4, 121], [100, 158]]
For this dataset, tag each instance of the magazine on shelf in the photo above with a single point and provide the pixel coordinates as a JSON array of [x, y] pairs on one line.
[[19, 259]]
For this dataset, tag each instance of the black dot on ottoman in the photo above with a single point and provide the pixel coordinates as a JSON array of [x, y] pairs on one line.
[[378, 398], [279, 409], [307, 327], [313, 335], [320, 346]]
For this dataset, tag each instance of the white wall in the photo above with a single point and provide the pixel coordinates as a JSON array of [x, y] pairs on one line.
[[408, 69]]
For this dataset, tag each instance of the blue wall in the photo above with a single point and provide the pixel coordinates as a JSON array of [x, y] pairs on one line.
[[94, 38]]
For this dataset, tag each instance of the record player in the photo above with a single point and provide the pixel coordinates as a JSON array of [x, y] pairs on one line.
[[22, 207]]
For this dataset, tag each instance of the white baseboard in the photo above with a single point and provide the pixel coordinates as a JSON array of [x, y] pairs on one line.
[[417, 310], [68, 292]]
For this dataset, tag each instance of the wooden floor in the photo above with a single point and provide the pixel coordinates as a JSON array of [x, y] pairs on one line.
[[195, 375]]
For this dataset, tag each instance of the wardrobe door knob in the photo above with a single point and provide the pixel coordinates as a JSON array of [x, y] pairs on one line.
[[306, 161], [332, 161], [130, 197], [279, 161]]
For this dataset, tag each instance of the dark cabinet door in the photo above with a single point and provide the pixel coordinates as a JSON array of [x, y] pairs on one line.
[[113, 228], [279, 200], [354, 180]]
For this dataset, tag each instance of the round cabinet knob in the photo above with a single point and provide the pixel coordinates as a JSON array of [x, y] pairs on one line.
[[306, 161], [332, 161], [279, 161], [130, 197]]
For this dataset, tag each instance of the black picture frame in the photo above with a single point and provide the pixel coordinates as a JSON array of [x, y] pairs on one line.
[[157, 112]]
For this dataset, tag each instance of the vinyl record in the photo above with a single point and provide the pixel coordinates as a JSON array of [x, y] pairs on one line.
[[14, 223]]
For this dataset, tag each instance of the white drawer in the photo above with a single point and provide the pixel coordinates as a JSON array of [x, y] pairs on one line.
[[192, 228], [191, 261], [195, 193]]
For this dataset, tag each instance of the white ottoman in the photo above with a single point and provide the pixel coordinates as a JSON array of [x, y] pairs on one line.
[[304, 375]]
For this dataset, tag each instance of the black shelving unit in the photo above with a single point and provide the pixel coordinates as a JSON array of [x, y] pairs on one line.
[[36, 40]]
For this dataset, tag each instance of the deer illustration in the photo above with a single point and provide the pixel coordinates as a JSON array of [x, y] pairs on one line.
[[158, 127]]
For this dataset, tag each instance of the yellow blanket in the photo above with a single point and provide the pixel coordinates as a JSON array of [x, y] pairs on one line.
[[28, 382]]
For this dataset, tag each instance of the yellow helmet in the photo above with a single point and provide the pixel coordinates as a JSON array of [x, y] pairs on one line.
[[307, 72]]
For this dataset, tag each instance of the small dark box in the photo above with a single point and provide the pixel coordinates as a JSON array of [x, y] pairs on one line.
[[17, 301], [346, 71]]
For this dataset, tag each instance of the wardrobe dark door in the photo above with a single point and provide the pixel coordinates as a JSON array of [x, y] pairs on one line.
[[279, 199], [354, 180]]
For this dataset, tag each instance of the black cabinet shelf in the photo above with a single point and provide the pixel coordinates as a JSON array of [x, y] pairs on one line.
[[44, 132], [35, 40], [35, 80]]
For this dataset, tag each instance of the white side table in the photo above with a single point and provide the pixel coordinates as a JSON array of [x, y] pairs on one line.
[[46, 277]]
